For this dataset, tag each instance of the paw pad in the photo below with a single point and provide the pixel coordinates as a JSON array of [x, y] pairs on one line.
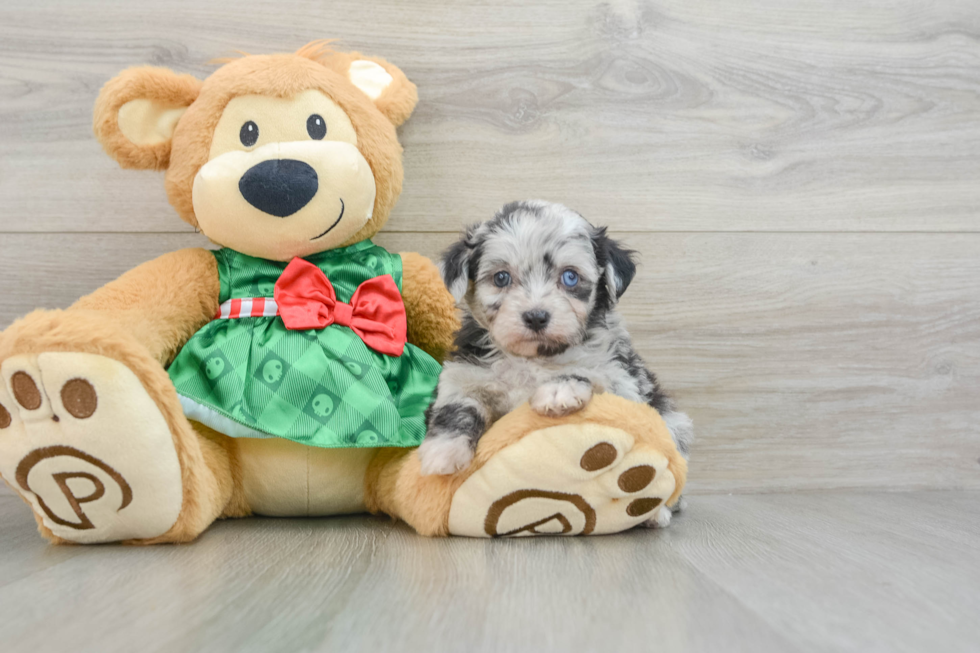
[[636, 478], [79, 398], [554, 524], [5, 418], [25, 390], [633, 480], [598, 456], [639, 507], [60, 456]]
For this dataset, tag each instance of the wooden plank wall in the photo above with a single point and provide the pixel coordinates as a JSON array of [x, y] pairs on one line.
[[802, 179]]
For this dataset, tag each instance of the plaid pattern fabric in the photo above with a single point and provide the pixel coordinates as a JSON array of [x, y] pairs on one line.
[[323, 388]]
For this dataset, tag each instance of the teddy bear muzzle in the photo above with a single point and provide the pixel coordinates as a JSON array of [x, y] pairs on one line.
[[285, 199]]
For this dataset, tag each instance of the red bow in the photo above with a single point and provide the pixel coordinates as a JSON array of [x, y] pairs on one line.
[[376, 312]]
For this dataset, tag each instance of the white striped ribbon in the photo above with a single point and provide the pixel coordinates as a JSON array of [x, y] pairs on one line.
[[247, 307]]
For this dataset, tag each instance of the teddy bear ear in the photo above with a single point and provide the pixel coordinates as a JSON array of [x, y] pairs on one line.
[[385, 84], [137, 112]]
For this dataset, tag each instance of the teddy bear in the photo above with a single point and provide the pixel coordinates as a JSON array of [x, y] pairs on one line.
[[286, 373]]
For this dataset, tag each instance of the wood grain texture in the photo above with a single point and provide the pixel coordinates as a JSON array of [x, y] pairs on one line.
[[801, 180], [865, 572], [806, 360], [663, 115]]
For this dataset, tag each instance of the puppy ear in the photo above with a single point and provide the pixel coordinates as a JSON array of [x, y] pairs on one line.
[[619, 262], [137, 112], [456, 262]]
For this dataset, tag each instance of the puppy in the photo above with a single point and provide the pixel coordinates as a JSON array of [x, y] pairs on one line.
[[538, 285]]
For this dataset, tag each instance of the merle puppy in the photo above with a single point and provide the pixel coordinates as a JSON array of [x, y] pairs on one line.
[[539, 286]]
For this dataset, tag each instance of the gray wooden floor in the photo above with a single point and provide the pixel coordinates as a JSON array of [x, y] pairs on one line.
[[757, 573], [801, 179]]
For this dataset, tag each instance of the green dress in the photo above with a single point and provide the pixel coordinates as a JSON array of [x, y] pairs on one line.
[[253, 377]]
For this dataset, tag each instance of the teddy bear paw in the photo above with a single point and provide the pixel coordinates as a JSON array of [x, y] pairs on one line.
[[86, 446], [571, 479]]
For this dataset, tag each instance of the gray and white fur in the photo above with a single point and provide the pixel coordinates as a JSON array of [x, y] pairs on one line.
[[538, 285]]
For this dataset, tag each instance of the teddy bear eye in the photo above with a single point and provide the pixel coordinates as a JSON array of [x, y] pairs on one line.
[[249, 134], [316, 127]]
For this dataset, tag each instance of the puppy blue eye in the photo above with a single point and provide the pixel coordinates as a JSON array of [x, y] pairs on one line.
[[569, 278], [501, 279]]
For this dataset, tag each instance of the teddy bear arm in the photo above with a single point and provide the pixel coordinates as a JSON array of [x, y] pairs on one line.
[[430, 309], [161, 303]]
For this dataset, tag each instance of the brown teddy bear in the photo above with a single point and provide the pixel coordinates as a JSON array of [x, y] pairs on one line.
[[288, 372]]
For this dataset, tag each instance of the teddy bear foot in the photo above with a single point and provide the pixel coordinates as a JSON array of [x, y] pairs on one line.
[[572, 479], [85, 445]]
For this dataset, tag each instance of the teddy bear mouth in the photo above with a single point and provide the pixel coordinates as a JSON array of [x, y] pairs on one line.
[[335, 222]]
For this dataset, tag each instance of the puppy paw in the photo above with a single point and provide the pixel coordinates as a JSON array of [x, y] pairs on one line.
[[444, 455], [561, 397], [660, 519]]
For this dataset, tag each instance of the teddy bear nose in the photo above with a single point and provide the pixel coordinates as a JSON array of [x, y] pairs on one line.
[[279, 187]]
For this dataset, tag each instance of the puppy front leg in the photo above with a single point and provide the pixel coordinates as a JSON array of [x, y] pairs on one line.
[[455, 425], [562, 395]]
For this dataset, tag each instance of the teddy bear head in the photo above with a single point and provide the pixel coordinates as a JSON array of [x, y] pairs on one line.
[[275, 156]]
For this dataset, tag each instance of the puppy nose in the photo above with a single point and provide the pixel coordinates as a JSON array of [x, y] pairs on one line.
[[279, 187], [536, 319]]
